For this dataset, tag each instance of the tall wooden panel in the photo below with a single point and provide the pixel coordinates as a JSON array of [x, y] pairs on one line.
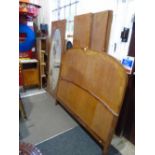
[[61, 25], [57, 45], [91, 87], [101, 30], [82, 30]]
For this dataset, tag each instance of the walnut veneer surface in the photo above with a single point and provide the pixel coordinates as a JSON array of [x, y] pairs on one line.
[[91, 87]]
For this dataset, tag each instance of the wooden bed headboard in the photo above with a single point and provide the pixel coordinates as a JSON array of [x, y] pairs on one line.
[[91, 87]]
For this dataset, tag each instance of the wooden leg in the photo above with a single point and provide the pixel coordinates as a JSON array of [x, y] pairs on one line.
[[107, 144], [56, 102], [106, 150], [24, 89]]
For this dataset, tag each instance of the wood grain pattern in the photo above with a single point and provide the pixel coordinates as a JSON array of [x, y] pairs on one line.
[[86, 77], [99, 31], [30, 74], [92, 30], [82, 30], [92, 94], [110, 18], [31, 77]]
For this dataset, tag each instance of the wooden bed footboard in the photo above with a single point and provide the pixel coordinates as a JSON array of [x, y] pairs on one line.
[[91, 87]]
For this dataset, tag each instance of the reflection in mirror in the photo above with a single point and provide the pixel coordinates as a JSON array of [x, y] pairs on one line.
[[55, 59]]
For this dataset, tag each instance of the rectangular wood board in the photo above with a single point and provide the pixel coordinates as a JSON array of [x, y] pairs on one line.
[[101, 30], [82, 30]]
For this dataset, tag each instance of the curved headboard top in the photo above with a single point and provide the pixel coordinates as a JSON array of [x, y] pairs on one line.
[[98, 73]]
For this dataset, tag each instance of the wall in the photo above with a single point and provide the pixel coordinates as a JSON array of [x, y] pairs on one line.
[[123, 17], [45, 13]]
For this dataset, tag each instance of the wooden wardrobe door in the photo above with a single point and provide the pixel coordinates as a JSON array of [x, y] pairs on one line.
[[57, 48]]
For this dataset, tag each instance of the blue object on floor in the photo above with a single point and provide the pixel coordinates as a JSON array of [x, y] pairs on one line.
[[29, 40], [74, 142]]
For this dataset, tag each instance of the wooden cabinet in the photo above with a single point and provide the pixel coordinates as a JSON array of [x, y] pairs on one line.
[[30, 73], [30, 77]]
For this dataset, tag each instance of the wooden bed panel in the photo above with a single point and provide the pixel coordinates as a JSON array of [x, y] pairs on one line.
[[80, 101], [99, 37], [87, 108], [91, 87], [92, 30], [82, 30], [96, 72], [102, 122]]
